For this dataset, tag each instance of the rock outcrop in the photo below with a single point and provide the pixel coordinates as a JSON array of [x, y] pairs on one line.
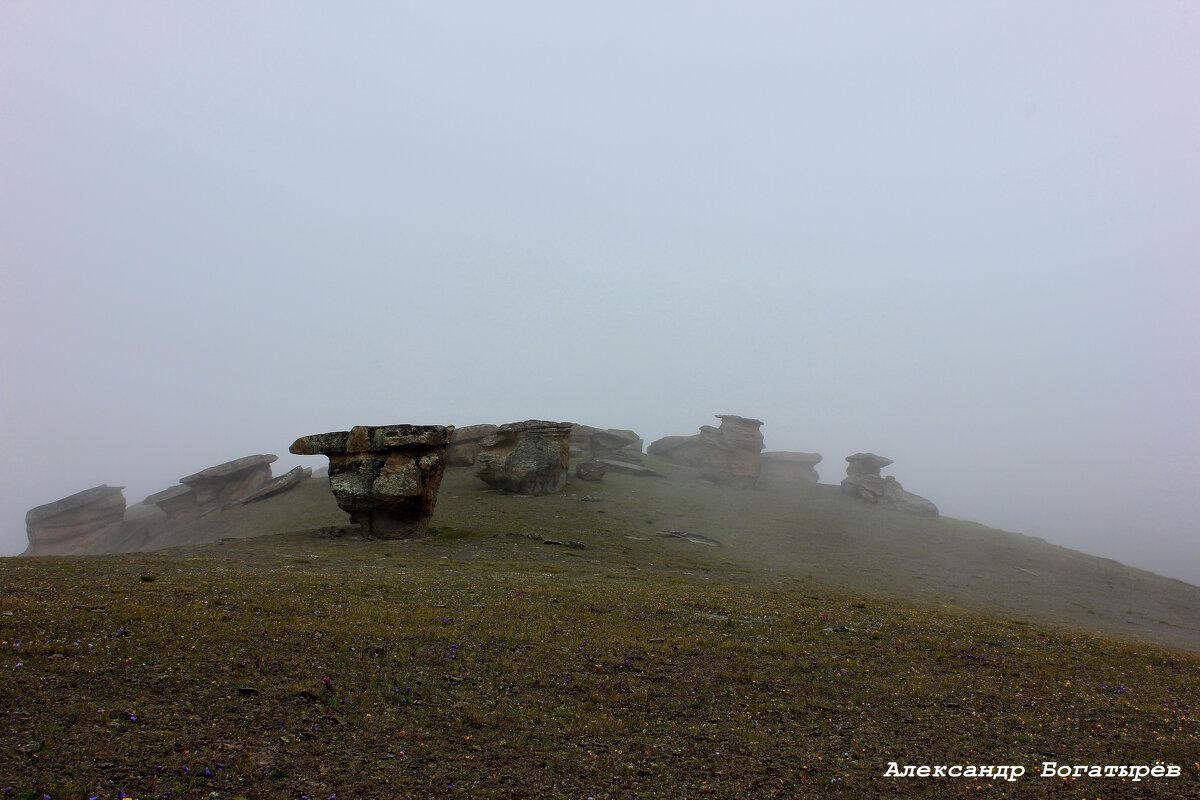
[[591, 470], [214, 488], [596, 443], [864, 482], [530, 457], [286, 481], [465, 443], [73, 523], [730, 454], [386, 477], [791, 466], [683, 450]]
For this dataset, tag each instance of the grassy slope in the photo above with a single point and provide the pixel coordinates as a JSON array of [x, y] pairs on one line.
[[487, 663]]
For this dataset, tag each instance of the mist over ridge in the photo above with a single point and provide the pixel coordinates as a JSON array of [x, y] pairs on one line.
[[960, 238]]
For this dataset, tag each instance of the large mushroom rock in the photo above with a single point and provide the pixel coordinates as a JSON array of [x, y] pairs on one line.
[[233, 480], [465, 443], [791, 466], [730, 455], [684, 450], [71, 524], [864, 482], [385, 477], [598, 443], [530, 457]]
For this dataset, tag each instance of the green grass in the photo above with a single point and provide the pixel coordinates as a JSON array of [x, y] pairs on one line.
[[482, 665]]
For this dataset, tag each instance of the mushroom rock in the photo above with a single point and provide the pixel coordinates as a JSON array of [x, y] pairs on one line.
[[465, 443], [530, 457], [71, 524], [684, 450], [792, 466], [730, 454], [230, 481], [864, 482], [385, 477]]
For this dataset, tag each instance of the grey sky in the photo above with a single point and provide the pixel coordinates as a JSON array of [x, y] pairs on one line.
[[961, 235]]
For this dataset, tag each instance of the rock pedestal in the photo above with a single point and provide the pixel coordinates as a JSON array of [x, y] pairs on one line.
[[530, 457], [730, 455], [213, 488], [465, 443], [864, 482], [71, 524], [387, 477]]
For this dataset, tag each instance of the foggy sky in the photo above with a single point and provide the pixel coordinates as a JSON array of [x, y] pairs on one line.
[[960, 235]]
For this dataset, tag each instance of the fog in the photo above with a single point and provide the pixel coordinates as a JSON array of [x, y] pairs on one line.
[[960, 235]]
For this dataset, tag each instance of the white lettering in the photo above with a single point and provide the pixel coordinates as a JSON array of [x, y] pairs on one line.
[[893, 770], [955, 771], [1095, 771], [1172, 771], [1158, 770], [939, 772], [1048, 768], [1112, 772], [923, 771], [1140, 772]]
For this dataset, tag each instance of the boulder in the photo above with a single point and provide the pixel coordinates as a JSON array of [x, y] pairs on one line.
[[730, 454], [233, 480], [71, 524], [864, 482], [684, 450], [465, 444], [791, 466], [530, 457], [385, 477], [591, 470]]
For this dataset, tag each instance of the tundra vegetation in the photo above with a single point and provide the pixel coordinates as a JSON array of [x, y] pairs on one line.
[[563, 646]]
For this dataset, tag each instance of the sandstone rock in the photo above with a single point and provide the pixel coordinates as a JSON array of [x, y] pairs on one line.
[[233, 480], [864, 482], [591, 470], [684, 450], [465, 444], [530, 457], [591, 443], [283, 483], [730, 455], [791, 466], [178, 503], [385, 477], [71, 524]]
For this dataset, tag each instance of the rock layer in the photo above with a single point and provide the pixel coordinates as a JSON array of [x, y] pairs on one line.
[[386, 477], [530, 457], [864, 482], [71, 524]]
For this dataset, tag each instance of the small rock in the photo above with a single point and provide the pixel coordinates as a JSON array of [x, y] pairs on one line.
[[29, 748]]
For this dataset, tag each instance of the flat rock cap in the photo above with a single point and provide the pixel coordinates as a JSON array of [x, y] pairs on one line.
[[869, 460], [70, 503], [372, 438], [178, 490], [736, 419], [229, 468]]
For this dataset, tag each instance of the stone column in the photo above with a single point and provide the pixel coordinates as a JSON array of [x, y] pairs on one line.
[[385, 477]]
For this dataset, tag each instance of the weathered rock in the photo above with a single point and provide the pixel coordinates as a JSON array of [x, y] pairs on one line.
[[465, 444], [71, 524], [233, 480], [864, 482], [591, 470], [178, 503], [386, 477], [589, 442], [684, 450], [289, 480], [791, 466], [730, 455], [530, 457]]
